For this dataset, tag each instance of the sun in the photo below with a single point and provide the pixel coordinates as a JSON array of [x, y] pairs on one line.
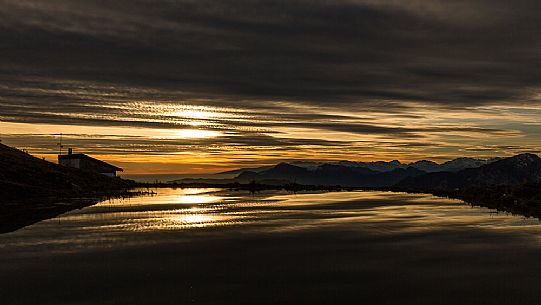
[[196, 113], [195, 134]]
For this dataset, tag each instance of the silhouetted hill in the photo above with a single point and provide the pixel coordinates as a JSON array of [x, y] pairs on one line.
[[459, 164], [25, 176], [284, 172], [329, 174], [246, 169], [303, 164], [523, 168], [421, 175], [427, 166], [377, 166], [395, 176]]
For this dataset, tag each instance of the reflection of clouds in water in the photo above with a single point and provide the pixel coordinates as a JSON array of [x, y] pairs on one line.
[[184, 210], [416, 247], [195, 208], [395, 213]]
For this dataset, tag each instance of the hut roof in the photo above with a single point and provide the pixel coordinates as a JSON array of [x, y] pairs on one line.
[[86, 157]]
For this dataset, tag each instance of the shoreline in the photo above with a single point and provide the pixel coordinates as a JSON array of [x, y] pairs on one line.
[[19, 213], [522, 199]]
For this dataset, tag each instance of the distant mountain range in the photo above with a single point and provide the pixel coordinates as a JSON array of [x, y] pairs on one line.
[[416, 176], [328, 174], [523, 168], [383, 166]]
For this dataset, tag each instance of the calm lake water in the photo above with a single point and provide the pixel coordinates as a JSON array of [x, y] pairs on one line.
[[210, 246]]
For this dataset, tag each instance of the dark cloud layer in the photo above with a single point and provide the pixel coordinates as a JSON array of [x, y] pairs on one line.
[[377, 69], [114, 144], [463, 52]]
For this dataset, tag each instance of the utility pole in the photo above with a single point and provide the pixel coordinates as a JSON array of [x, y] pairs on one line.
[[59, 144]]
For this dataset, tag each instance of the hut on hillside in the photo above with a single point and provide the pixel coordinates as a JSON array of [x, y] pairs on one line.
[[87, 163]]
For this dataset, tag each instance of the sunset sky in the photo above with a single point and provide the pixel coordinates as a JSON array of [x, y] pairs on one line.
[[198, 86]]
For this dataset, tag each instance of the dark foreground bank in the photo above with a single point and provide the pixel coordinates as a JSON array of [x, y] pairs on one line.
[[32, 189], [522, 199], [26, 177]]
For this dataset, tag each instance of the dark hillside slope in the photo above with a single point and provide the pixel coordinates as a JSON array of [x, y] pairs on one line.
[[23, 176], [330, 174], [523, 168]]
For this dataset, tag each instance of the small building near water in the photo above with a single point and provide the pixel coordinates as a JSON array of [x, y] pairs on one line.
[[87, 163]]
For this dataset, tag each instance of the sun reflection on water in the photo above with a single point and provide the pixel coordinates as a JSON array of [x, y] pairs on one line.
[[171, 210], [197, 199], [194, 219]]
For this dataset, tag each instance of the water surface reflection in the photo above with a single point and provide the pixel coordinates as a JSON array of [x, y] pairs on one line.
[[206, 246]]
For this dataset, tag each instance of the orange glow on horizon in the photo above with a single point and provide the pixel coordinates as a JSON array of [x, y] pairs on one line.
[[207, 140]]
